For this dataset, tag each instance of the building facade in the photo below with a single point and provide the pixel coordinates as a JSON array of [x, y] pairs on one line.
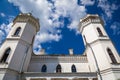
[[100, 61]]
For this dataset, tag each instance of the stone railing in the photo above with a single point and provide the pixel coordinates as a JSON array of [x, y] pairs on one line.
[[79, 75], [76, 58], [88, 21]]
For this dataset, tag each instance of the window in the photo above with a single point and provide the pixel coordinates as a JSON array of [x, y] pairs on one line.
[[111, 55], [33, 39], [99, 31], [44, 68], [58, 68], [73, 68], [4, 58], [17, 31], [84, 39]]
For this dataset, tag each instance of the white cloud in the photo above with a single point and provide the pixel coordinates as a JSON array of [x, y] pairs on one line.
[[87, 2], [70, 9], [4, 30], [1, 36], [116, 28], [2, 14], [107, 7], [49, 15], [45, 37]]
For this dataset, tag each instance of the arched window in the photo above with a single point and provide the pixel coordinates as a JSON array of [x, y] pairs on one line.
[[5, 55], [58, 68], [99, 31], [73, 68], [17, 31], [44, 68], [111, 55]]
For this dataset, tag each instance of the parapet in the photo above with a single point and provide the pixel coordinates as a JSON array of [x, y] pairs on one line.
[[27, 17], [90, 18]]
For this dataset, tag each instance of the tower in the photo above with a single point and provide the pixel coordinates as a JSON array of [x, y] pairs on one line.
[[15, 52], [100, 51]]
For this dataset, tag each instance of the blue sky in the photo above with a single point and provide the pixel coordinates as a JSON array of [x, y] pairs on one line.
[[59, 20]]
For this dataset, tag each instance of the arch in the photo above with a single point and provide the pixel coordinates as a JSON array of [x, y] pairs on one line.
[[99, 31], [44, 68], [58, 68], [73, 68], [112, 57], [17, 31], [5, 55]]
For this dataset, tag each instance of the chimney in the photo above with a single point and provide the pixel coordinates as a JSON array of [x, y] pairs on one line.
[[42, 52], [71, 51]]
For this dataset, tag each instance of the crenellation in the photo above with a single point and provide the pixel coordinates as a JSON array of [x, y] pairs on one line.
[[27, 18]]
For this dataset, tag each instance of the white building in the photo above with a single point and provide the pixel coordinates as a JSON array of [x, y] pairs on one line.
[[100, 61]]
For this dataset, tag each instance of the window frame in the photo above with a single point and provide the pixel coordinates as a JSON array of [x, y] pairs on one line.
[[99, 31], [111, 56], [4, 58], [17, 31], [44, 68], [58, 68], [73, 69]]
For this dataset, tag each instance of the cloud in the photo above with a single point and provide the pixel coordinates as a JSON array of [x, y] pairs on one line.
[[2, 14], [72, 10], [87, 2], [116, 28], [4, 30], [44, 37], [107, 7], [51, 15], [1, 37]]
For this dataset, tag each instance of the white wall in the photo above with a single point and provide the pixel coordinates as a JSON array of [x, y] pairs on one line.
[[91, 34], [36, 65]]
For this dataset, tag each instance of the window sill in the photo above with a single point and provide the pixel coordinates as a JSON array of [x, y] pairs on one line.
[[15, 35], [3, 62], [102, 36], [115, 63]]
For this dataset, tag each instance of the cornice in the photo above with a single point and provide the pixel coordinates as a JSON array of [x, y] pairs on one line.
[[89, 19], [27, 18], [82, 59], [110, 70], [82, 74]]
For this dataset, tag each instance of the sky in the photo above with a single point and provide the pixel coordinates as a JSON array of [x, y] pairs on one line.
[[59, 21]]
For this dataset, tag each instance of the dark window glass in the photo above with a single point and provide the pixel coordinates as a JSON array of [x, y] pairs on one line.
[[99, 31], [111, 55], [73, 68], [17, 31], [44, 68], [84, 39], [4, 58], [58, 68], [33, 39]]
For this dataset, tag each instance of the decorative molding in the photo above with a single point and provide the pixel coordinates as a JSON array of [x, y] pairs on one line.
[[38, 74], [5, 70], [88, 20], [27, 18], [110, 70], [42, 58], [38, 79]]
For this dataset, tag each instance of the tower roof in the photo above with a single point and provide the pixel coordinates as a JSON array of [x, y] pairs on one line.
[[90, 18], [27, 17]]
